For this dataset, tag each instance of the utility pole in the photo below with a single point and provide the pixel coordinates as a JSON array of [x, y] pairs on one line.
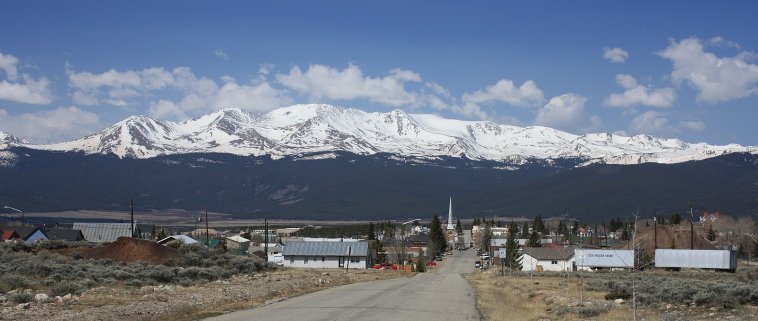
[[692, 230], [265, 239], [655, 232], [131, 221], [207, 238], [349, 253], [634, 266]]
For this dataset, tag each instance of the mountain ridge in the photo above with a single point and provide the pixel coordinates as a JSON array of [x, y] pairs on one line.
[[321, 128]]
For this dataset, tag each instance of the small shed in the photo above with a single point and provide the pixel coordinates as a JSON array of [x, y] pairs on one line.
[[547, 259]]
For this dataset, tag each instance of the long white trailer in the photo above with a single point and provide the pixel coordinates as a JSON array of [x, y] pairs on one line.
[[696, 259], [604, 258]]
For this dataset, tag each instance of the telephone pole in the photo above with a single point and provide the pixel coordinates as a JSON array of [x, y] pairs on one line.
[[207, 238], [131, 221]]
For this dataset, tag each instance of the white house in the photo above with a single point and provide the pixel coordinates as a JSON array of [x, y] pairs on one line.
[[547, 259], [326, 255]]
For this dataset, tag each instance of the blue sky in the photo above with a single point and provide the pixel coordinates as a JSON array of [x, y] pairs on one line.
[[670, 69]]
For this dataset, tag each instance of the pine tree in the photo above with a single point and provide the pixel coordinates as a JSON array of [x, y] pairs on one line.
[[371, 235], [534, 239], [437, 236], [625, 234], [575, 228], [512, 255], [676, 218], [711, 234], [525, 231], [152, 232], [538, 224], [458, 227], [486, 238], [476, 222]]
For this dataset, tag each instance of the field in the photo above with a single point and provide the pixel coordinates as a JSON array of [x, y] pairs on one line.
[[661, 295], [81, 281]]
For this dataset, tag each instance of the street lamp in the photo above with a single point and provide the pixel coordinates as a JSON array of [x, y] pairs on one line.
[[17, 210]]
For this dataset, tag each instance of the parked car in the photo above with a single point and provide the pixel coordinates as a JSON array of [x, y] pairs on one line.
[[438, 258], [478, 264]]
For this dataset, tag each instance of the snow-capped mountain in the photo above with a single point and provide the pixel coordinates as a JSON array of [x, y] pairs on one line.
[[317, 128]]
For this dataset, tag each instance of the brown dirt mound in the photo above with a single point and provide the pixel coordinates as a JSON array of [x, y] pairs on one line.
[[126, 249]]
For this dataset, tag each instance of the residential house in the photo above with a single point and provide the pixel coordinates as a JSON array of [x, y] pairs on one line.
[[64, 234], [177, 238], [237, 244], [106, 232], [324, 254], [27, 233], [547, 259], [9, 236]]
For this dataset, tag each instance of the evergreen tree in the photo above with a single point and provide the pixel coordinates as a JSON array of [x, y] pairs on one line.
[[512, 255], [486, 238], [458, 227], [525, 231], [152, 232], [676, 218], [476, 222], [162, 234], [371, 235], [437, 236], [562, 228], [538, 225], [420, 263], [534, 239], [575, 228], [625, 234], [711, 234]]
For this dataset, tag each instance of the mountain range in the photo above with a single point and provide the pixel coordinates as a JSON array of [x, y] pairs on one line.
[[318, 128], [326, 162]]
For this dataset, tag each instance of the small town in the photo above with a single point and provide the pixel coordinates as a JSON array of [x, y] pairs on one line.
[[489, 251]]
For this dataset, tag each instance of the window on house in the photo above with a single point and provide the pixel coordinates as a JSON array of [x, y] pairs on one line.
[[292, 260], [305, 260], [553, 262], [323, 258], [355, 260]]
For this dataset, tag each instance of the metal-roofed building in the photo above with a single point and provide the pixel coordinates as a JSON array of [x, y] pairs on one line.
[[64, 234], [105, 232], [327, 255], [547, 259]]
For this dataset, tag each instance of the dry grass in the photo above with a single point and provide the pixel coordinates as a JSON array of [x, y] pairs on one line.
[[519, 298]]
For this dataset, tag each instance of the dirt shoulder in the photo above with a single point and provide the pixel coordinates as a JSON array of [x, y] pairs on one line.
[[661, 296], [174, 302]]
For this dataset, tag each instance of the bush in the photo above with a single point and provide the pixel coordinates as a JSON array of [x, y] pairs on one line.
[[672, 316], [704, 297], [592, 311], [66, 287], [21, 297], [10, 282]]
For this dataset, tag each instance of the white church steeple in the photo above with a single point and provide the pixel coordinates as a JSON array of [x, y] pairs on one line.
[[450, 216]]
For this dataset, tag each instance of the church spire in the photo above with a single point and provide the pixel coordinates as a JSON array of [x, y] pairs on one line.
[[450, 216]]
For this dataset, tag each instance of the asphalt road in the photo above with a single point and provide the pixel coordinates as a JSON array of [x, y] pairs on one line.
[[439, 295]]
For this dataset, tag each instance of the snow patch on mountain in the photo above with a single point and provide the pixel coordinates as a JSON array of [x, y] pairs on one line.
[[323, 129]]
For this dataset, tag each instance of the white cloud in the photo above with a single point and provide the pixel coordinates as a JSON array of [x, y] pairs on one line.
[[321, 82], [566, 112], [651, 122], [35, 92], [721, 42], [636, 94], [615, 55], [28, 90], [260, 97], [717, 79], [8, 64], [221, 54], [695, 126], [504, 91], [166, 109], [50, 125], [83, 99]]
